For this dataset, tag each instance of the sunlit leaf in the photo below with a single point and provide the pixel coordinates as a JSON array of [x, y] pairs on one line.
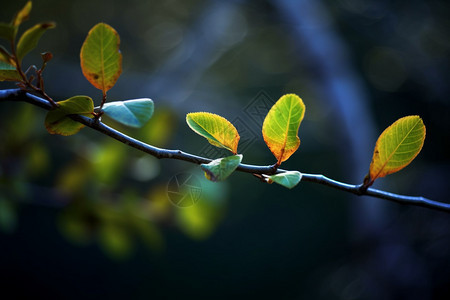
[[216, 129], [8, 72], [287, 179], [7, 31], [30, 38], [397, 146], [134, 113], [57, 120], [101, 60], [220, 169], [281, 125], [22, 15]]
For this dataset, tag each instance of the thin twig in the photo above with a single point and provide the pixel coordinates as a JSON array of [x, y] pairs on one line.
[[360, 190]]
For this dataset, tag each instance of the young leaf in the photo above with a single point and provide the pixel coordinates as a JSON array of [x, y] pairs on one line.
[[57, 120], [101, 61], [216, 129], [30, 38], [397, 146], [281, 125], [8, 72], [7, 31], [5, 56], [134, 113], [22, 15], [287, 179], [220, 169]]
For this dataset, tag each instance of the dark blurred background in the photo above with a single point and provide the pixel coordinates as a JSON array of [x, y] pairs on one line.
[[87, 217]]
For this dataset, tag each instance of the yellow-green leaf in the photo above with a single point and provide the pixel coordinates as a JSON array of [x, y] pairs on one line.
[[30, 38], [281, 125], [22, 15], [8, 72], [287, 179], [397, 146], [58, 121], [216, 129], [220, 169], [101, 60]]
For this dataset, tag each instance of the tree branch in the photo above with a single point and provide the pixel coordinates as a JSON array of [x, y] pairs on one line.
[[19, 95]]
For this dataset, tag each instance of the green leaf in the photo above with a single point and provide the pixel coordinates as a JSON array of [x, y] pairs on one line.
[[57, 120], [30, 38], [7, 31], [22, 15], [134, 113], [101, 61], [220, 169], [397, 146], [8, 72], [216, 129], [287, 179], [281, 125]]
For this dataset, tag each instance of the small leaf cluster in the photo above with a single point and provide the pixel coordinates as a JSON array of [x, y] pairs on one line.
[[396, 147], [280, 132], [101, 64]]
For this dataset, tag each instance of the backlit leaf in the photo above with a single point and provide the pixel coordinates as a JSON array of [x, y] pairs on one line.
[[22, 15], [101, 60], [216, 129], [134, 113], [8, 72], [397, 146], [281, 125], [8, 216], [5, 56], [30, 38], [220, 169], [287, 179], [7, 31], [57, 120]]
